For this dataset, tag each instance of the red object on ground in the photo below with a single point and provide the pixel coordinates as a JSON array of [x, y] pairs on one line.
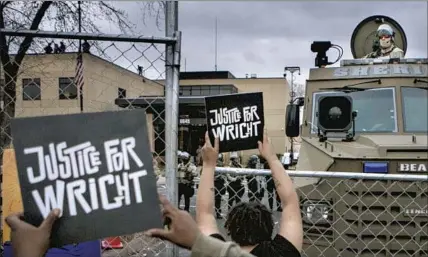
[[112, 243]]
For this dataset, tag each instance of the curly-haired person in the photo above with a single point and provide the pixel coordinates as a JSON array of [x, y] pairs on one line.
[[251, 224]]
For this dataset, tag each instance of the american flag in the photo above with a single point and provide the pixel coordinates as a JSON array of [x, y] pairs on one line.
[[78, 79]]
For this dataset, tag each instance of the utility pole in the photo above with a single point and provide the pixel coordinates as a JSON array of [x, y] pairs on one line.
[[215, 45], [292, 70], [79, 12]]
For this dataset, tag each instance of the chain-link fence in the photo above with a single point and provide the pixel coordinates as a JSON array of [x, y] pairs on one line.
[[53, 73], [344, 214]]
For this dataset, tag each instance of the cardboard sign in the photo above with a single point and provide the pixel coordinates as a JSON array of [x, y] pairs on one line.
[[236, 119], [96, 167]]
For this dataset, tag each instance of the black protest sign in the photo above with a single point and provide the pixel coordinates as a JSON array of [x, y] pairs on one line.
[[96, 167], [236, 119]]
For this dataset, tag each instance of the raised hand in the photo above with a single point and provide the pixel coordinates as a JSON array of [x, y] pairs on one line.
[[183, 230], [266, 150], [28, 240], [210, 153]]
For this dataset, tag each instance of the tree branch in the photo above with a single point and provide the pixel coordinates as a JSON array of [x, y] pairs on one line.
[[4, 47], [34, 25], [120, 15], [4, 4]]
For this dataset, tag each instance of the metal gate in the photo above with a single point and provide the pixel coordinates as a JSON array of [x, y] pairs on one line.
[[107, 68], [352, 214]]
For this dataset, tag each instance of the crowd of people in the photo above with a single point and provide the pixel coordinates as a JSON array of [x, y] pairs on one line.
[[60, 49], [234, 185], [249, 224]]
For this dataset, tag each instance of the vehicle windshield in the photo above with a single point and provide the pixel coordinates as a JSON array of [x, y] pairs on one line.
[[376, 109], [415, 109]]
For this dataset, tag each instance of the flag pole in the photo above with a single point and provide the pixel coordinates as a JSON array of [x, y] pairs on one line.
[[79, 11]]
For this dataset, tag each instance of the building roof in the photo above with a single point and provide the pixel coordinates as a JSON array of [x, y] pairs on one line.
[[152, 101], [97, 57], [206, 75]]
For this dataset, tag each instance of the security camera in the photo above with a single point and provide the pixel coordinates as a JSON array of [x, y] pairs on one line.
[[320, 46]]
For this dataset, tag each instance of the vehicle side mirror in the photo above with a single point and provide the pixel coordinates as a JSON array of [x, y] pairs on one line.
[[292, 120]]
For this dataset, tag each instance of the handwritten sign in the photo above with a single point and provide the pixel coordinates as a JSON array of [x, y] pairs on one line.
[[236, 119], [97, 168]]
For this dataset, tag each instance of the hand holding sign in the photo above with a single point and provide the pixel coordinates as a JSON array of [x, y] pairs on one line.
[[98, 171], [236, 119], [29, 240], [183, 229], [210, 153]]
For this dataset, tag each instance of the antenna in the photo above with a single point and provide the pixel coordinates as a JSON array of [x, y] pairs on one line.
[[215, 45]]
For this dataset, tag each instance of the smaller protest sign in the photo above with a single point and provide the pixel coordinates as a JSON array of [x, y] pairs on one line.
[[236, 119], [95, 167]]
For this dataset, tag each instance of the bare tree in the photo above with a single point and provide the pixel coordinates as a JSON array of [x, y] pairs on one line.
[[54, 15], [154, 9]]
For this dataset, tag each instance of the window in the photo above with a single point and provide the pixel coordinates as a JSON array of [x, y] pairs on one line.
[[31, 89], [121, 93], [415, 109], [224, 90], [67, 89], [196, 91], [376, 110], [205, 90], [185, 91], [214, 90]]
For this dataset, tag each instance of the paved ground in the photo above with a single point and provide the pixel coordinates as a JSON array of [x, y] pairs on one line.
[[150, 248]]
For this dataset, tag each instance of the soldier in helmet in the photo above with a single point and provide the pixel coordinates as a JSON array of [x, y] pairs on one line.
[[256, 189], [186, 173], [179, 158], [235, 187], [387, 48], [220, 189]]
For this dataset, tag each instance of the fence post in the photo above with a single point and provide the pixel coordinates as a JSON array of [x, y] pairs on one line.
[[171, 108]]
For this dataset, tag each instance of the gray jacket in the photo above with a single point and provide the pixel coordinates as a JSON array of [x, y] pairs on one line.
[[206, 246]]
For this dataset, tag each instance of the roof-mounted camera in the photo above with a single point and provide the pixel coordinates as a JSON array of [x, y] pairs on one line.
[[335, 116], [321, 48]]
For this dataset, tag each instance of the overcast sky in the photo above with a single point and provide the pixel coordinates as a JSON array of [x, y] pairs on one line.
[[263, 37]]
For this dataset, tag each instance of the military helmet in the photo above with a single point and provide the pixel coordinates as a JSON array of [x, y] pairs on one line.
[[233, 155], [253, 160], [185, 156], [385, 30], [179, 154], [220, 156]]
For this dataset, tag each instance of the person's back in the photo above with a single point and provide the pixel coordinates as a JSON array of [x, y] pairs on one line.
[[251, 226]]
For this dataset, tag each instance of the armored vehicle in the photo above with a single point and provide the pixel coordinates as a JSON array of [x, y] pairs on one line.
[[365, 116]]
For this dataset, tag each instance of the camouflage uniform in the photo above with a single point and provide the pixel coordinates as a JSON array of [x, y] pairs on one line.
[[393, 52], [235, 187], [187, 171], [384, 46], [255, 183]]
